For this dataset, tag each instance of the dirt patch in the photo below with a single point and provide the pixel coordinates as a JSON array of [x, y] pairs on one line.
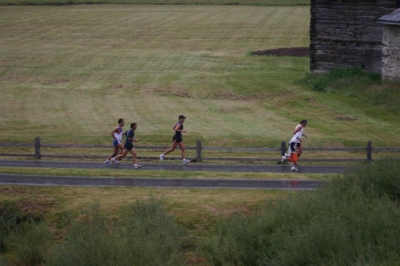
[[119, 86], [345, 118], [291, 51]]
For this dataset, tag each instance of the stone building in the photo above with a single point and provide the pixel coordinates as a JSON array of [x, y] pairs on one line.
[[391, 45], [345, 33]]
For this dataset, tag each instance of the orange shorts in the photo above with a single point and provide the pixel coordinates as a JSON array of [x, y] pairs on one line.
[[293, 157]]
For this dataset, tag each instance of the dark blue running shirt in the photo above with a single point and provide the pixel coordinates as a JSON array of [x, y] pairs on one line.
[[130, 134]]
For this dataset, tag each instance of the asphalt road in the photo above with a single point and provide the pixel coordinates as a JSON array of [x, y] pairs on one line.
[[284, 168], [164, 182]]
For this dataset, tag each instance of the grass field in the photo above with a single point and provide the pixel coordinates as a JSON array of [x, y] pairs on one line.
[[68, 73]]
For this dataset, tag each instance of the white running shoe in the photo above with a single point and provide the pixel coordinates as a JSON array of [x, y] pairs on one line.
[[114, 161], [137, 166], [294, 168], [185, 161], [162, 156], [107, 162], [283, 159]]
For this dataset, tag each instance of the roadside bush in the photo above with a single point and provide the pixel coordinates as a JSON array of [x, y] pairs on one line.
[[30, 242], [328, 229], [152, 235], [353, 220], [9, 217], [144, 235], [24, 234], [237, 241], [375, 179]]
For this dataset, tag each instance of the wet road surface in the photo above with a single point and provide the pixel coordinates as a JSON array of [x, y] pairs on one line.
[[164, 182]]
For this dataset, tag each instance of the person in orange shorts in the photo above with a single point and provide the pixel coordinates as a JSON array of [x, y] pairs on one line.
[[295, 149]]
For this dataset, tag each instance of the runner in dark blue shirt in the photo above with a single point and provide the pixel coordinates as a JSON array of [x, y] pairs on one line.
[[130, 138]]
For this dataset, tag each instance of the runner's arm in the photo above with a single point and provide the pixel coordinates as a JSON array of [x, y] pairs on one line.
[[112, 133]]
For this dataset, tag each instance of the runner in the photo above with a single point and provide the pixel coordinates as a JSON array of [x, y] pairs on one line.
[[130, 138], [294, 148], [177, 140], [116, 134], [299, 133]]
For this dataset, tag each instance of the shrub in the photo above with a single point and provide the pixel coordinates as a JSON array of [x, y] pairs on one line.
[[376, 179], [24, 234], [144, 235], [353, 220], [30, 243], [237, 241]]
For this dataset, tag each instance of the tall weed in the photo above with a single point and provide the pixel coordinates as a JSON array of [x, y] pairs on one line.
[[30, 243], [375, 179], [144, 235], [351, 221], [26, 235]]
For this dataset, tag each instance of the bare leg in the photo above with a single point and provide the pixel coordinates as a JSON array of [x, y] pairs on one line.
[[182, 146], [133, 152], [299, 151], [173, 147], [122, 155], [116, 151]]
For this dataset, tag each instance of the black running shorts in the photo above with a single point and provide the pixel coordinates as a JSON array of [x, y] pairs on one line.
[[177, 139], [128, 146]]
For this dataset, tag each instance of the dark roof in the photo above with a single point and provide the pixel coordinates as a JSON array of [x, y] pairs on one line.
[[391, 19]]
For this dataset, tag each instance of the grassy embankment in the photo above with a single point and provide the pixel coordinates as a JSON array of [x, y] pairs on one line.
[[68, 73]]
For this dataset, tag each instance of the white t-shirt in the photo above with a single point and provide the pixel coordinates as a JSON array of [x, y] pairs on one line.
[[297, 137], [118, 135]]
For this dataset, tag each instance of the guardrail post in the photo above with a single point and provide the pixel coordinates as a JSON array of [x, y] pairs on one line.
[[369, 151], [37, 148], [199, 148], [283, 148]]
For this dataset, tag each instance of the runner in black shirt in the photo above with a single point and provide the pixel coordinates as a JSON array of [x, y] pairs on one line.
[[177, 140]]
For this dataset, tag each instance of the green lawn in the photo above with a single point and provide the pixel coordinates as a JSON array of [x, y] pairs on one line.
[[68, 73]]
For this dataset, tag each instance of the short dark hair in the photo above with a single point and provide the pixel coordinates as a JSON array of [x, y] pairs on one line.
[[133, 124], [303, 121], [120, 120]]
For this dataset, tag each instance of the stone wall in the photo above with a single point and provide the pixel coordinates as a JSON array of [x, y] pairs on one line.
[[345, 33], [391, 52]]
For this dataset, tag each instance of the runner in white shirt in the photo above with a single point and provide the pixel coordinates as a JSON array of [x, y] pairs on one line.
[[298, 136], [295, 145], [116, 134]]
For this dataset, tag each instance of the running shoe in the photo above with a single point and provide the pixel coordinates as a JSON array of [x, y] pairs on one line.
[[185, 161], [162, 156], [114, 161], [107, 162], [137, 166]]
